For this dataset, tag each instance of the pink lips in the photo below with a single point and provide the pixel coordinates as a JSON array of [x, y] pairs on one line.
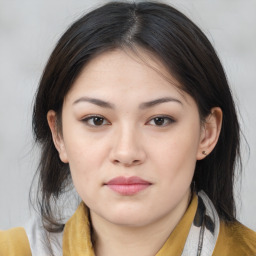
[[128, 186]]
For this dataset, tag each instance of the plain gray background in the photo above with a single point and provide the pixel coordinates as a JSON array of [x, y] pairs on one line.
[[28, 32]]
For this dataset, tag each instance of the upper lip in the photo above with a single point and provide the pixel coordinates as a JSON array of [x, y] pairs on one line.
[[121, 180]]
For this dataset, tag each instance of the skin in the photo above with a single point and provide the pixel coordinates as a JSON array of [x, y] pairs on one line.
[[127, 140]]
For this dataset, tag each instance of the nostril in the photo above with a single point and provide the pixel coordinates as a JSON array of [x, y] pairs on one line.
[[116, 161], [127, 164], [134, 162]]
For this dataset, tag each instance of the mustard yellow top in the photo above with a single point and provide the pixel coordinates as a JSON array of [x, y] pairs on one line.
[[234, 239], [14, 242], [78, 229]]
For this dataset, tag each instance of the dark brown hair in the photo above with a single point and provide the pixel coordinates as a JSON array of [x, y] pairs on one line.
[[184, 50]]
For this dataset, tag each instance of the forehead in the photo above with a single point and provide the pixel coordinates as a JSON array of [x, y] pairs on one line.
[[124, 70]]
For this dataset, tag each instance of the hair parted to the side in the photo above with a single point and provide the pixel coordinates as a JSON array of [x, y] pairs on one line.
[[190, 58]]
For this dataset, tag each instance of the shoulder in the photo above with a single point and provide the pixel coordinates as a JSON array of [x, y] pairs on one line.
[[14, 242], [32, 239], [235, 239]]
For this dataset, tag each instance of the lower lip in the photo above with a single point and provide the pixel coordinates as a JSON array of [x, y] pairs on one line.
[[128, 189]]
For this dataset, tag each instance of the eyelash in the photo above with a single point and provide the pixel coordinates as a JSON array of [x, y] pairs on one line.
[[167, 120], [92, 118]]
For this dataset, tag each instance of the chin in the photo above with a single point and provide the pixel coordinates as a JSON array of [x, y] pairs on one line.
[[130, 222], [127, 217]]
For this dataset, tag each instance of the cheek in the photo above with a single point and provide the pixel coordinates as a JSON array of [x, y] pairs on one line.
[[84, 157], [175, 157], [83, 164], [83, 147]]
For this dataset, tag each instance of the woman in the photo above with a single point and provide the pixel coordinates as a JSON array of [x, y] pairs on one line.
[[134, 110]]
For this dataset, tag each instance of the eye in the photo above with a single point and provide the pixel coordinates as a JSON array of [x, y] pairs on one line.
[[95, 121], [161, 121]]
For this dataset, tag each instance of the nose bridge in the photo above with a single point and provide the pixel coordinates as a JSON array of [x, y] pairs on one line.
[[127, 146]]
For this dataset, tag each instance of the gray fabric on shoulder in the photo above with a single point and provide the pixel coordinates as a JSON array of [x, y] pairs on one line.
[[43, 243]]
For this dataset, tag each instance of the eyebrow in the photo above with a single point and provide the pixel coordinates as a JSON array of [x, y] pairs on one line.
[[144, 105], [158, 101], [98, 102]]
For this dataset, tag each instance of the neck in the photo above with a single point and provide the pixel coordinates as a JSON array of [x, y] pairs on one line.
[[112, 239]]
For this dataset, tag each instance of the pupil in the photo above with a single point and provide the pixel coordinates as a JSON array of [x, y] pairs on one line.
[[98, 120], [159, 121]]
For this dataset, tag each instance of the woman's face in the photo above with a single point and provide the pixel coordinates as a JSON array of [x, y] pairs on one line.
[[131, 139]]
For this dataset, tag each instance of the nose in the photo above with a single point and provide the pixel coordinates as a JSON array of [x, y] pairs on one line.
[[128, 149]]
